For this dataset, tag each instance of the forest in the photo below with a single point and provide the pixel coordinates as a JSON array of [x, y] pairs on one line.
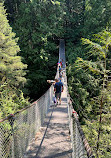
[[29, 38]]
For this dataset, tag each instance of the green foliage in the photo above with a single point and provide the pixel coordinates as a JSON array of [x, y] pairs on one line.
[[82, 86], [90, 90], [92, 125], [73, 19], [97, 16], [38, 24], [11, 69], [11, 100], [11, 66], [72, 52]]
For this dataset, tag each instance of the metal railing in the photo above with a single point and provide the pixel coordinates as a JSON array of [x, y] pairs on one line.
[[18, 130], [80, 146]]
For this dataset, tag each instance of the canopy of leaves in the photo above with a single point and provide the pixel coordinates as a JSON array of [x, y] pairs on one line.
[[38, 24]]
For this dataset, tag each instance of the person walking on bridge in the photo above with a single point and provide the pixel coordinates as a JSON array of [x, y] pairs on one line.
[[58, 88]]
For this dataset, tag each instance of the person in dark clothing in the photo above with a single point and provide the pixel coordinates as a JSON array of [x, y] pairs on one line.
[[60, 69], [58, 88]]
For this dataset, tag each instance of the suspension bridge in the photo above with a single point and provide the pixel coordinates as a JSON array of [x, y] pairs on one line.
[[44, 130]]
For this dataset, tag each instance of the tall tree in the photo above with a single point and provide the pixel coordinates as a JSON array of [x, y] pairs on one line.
[[11, 69], [11, 66]]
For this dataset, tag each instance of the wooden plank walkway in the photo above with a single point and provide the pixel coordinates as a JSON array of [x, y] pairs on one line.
[[53, 140]]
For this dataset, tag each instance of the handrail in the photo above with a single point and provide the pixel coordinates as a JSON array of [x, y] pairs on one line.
[[74, 121], [17, 131], [7, 118], [86, 144]]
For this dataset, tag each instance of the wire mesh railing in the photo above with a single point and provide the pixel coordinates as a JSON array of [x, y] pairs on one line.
[[18, 130], [80, 146]]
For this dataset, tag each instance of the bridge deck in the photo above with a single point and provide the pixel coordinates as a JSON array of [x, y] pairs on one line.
[[53, 140]]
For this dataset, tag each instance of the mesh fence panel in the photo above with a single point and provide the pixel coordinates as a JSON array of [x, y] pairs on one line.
[[79, 149], [17, 132], [80, 146], [6, 139]]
